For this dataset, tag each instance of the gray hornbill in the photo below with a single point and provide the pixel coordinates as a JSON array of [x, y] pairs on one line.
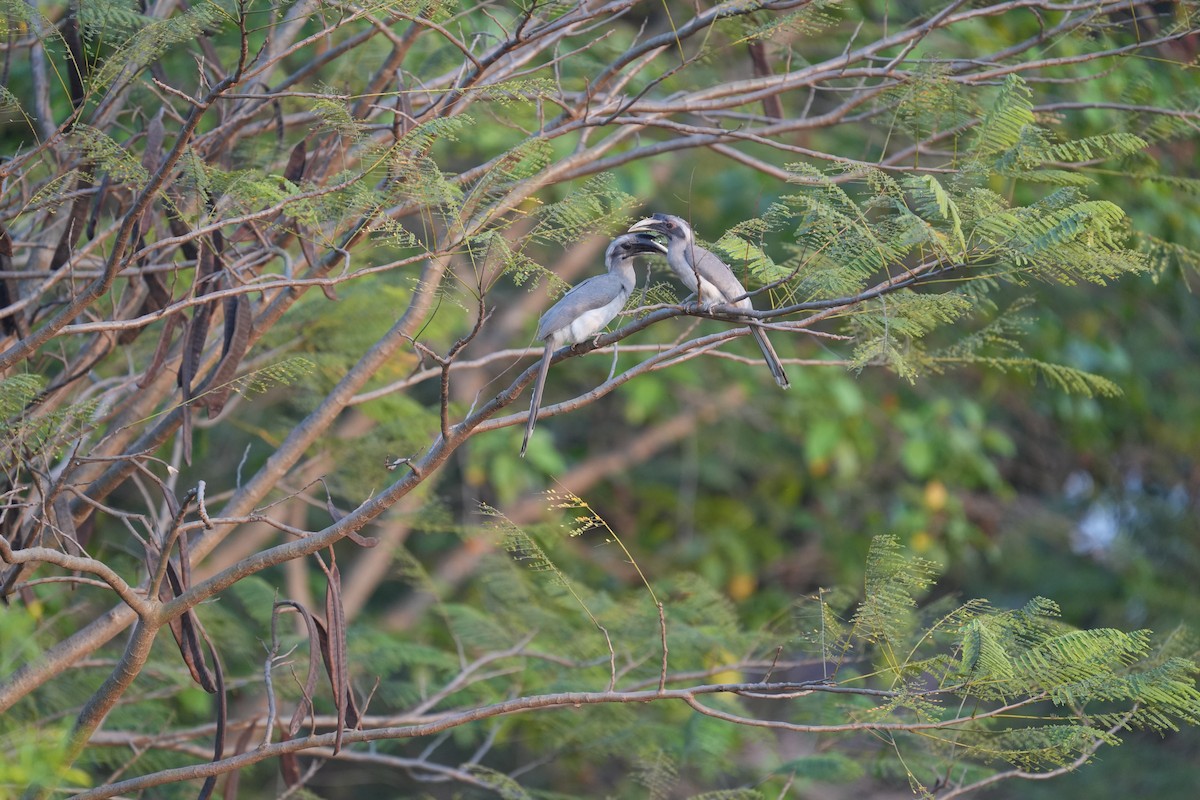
[[710, 278], [587, 308]]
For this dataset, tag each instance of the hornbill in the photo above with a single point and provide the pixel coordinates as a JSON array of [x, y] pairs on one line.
[[710, 278], [587, 308]]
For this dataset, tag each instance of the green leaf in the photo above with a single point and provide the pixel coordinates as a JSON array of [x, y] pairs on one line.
[[935, 197], [1002, 125], [743, 255]]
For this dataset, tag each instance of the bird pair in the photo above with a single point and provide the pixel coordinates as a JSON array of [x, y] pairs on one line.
[[586, 309]]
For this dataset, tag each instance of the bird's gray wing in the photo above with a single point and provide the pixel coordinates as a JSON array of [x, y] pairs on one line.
[[591, 295], [715, 271], [595, 292]]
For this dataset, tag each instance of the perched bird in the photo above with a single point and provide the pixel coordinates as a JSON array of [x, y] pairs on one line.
[[710, 278], [587, 308]]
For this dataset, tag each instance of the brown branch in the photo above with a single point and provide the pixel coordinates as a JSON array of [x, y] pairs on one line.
[[437, 723], [138, 603]]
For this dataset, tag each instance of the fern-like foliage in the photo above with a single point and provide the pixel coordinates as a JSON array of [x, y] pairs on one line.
[[564, 595], [744, 256], [110, 18], [17, 392], [109, 157], [335, 115], [1009, 143], [502, 260], [894, 580], [933, 204], [1062, 237], [928, 101], [9, 102], [997, 346], [282, 373], [53, 192], [519, 163], [854, 226], [1080, 688], [886, 329], [597, 206], [1163, 257], [152, 37], [513, 91], [809, 20], [658, 773], [413, 173], [844, 238], [842, 247], [43, 435], [1005, 122]]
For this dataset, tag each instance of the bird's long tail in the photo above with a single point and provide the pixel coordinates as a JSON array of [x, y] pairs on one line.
[[537, 395], [770, 356]]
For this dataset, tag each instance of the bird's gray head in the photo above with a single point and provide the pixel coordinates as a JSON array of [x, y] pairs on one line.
[[668, 225], [628, 245]]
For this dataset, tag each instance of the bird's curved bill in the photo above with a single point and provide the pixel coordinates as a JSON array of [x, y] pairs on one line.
[[645, 243], [647, 224]]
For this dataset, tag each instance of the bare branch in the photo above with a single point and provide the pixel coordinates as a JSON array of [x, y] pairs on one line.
[[32, 555]]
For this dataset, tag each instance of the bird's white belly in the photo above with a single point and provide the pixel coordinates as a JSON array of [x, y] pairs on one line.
[[710, 295], [589, 323]]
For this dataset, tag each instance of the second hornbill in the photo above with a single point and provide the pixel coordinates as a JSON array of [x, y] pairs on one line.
[[587, 308], [714, 283]]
